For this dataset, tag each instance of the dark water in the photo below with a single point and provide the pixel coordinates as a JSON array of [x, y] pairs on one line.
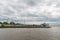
[[30, 33]]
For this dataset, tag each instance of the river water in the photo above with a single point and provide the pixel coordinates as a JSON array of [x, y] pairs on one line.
[[30, 33]]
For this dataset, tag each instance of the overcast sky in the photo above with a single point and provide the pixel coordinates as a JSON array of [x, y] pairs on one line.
[[32, 11]]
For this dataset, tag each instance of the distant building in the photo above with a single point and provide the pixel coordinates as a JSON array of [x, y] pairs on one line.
[[45, 25]]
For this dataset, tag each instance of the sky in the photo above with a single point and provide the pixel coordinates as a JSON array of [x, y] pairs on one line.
[[30, 11]]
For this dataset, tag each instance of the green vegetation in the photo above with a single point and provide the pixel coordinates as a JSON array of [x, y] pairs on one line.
[[18, 25], [5, 23], [12, 23], [0, 22]]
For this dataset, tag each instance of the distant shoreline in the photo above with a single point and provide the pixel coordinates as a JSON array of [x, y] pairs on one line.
[[22, 26], [18, 25]]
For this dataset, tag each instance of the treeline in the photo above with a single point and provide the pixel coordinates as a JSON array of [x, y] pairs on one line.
[[18, 25], [9, 23]]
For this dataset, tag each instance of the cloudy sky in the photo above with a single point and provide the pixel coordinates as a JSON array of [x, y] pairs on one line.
[[30, 11]]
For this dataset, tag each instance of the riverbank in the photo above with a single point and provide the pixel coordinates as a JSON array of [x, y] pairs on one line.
[[24, 26], [20, 25]]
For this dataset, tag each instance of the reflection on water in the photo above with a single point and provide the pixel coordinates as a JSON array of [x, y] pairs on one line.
[[30, 33]]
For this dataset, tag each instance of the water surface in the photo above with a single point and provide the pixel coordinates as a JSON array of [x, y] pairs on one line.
[[30, 33]]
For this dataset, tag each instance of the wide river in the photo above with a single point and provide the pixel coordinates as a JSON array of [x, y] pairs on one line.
[[30, 33]]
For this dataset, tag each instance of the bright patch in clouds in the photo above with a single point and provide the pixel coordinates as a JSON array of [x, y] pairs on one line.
[[32, 11]]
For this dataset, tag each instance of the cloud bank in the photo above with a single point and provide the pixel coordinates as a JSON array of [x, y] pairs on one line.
[[33, 11]]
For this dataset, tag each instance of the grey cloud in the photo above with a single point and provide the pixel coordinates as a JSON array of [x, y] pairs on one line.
[[58, 5], [19, 7], [29, 15], [8, 12], [31, 2]]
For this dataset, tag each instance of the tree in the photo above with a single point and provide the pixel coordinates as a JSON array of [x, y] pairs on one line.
[[12, 23], [18, 24], [0, 22], [5, 22]]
